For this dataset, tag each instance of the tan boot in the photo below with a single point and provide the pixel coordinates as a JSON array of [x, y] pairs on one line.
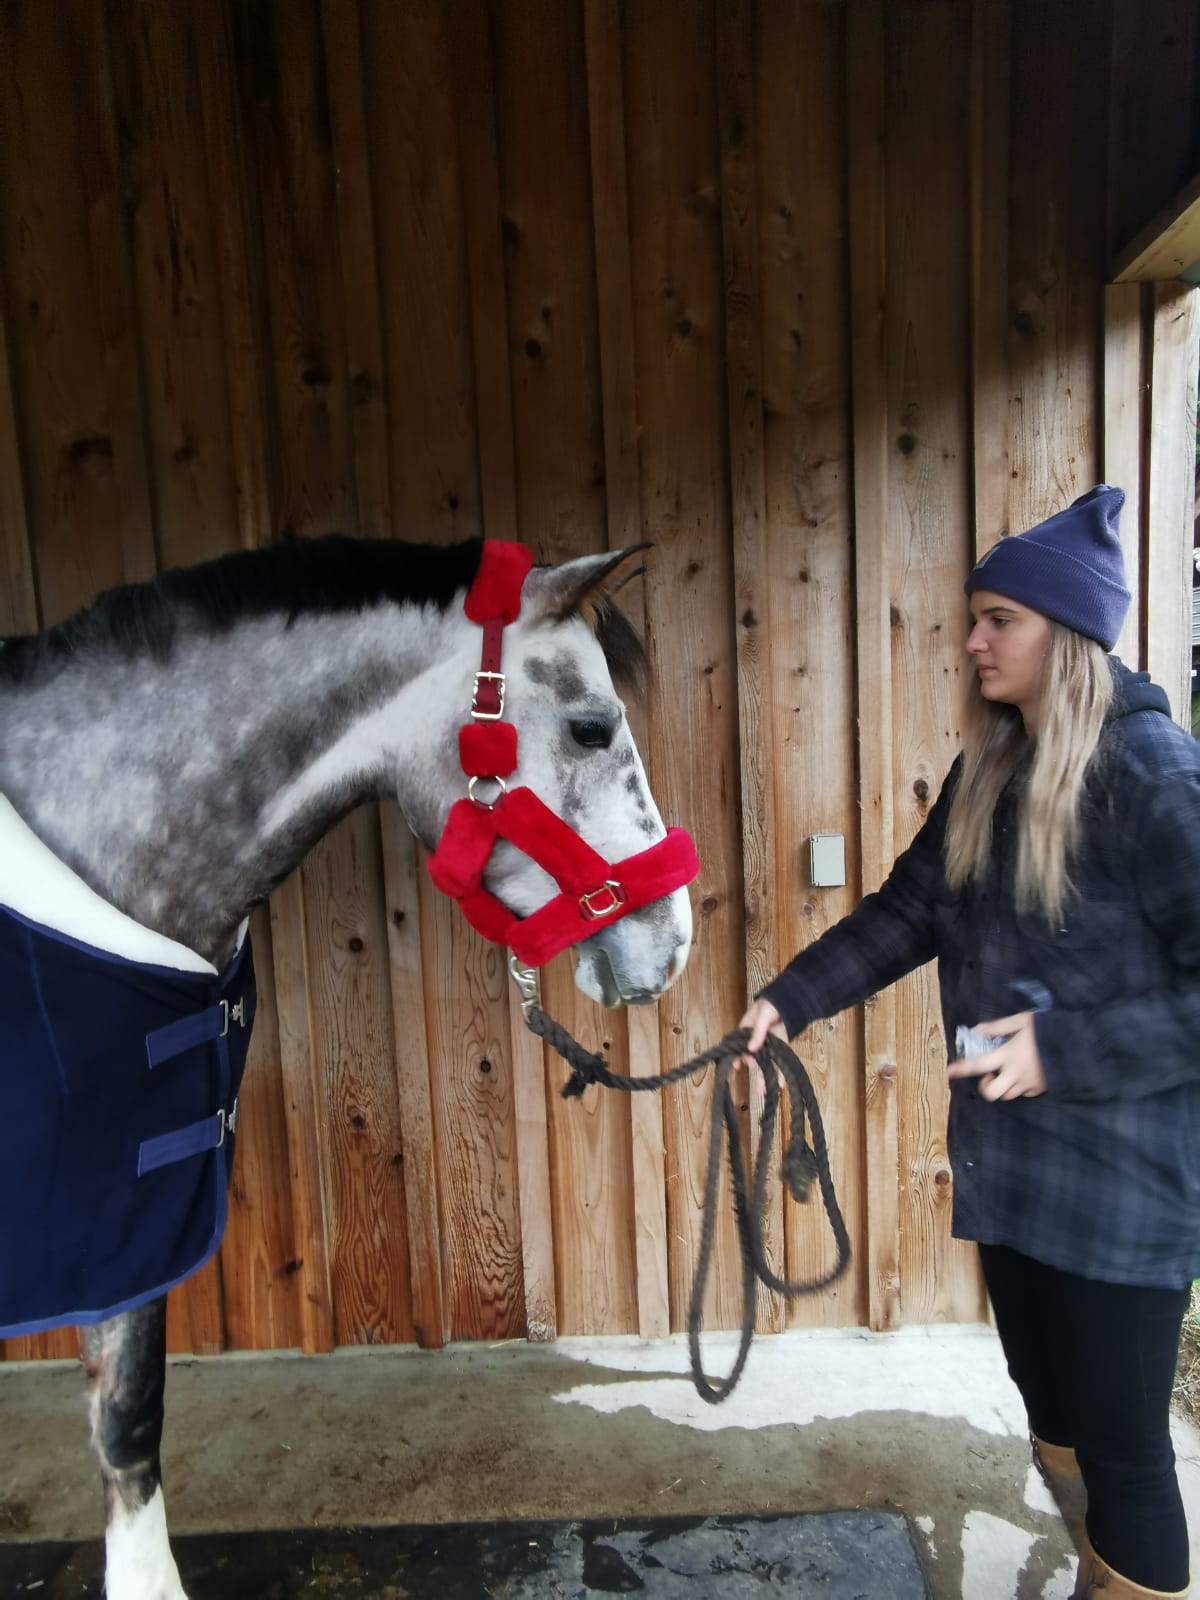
[[1097, 1579], [1061, 1475]]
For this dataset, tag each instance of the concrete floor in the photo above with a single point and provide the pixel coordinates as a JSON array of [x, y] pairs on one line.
[[923, 1421]]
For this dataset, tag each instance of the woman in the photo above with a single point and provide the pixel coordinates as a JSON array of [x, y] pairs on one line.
[[1057, 881]]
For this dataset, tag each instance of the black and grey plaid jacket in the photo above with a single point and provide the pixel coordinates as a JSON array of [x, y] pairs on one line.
[[1101, 1174]]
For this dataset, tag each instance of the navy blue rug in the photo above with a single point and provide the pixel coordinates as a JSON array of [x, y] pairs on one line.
[[840, 1555]]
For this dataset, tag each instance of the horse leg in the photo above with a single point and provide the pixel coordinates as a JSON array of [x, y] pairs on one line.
[[126, 1359]]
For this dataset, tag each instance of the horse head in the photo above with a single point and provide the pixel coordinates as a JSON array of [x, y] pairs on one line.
[[564, 653]]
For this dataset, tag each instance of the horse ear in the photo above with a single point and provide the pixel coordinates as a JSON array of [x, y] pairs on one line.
[[561, 591]]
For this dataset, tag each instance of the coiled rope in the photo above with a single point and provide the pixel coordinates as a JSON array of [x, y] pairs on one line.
[[801, 1164]]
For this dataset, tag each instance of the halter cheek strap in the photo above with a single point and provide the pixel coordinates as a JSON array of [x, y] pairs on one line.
[[593, 891]]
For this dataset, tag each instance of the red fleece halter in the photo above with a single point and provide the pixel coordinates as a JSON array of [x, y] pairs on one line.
[[594, 892]]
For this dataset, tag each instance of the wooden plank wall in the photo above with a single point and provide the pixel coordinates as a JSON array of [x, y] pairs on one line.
[[809, 293]]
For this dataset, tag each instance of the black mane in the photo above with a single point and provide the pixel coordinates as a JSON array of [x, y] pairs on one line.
[[334, 573]]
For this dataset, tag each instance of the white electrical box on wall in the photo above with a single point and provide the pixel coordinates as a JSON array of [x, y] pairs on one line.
[[827, 860]]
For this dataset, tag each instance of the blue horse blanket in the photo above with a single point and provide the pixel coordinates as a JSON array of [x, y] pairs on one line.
[[119, 1080]]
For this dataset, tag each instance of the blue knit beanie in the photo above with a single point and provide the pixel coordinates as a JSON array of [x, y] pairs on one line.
[[1069, 567]]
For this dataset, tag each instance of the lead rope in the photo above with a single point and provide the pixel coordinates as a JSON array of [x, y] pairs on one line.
[[799, 1167]]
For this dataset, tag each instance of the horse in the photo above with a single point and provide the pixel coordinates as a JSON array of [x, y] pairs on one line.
[[171, 752]]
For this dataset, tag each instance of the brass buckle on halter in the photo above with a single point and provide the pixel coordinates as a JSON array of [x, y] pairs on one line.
[[491, 677], [616, 897]]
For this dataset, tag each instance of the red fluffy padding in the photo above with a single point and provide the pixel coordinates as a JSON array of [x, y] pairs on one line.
[[456, 866], [665, 866], [528, 823], [496, 591], [487, 749]]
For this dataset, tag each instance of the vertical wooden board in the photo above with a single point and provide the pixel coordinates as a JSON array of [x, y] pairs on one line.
[[204, 1294], [542, 123], [416, 109], [808, 736], [618, 384], [163, 157], [260, 1265], [989, 106], [1171, 492], [354, 1043], [474, 1126], [411, 91], [52, 168], [1057, 184], [674, 207], [285, 115], [929, 521], [179, 1322], [302, 1106], [1123, 444], [405, 967], [342, 44], [479, 178], [738, 134], [18, 601], [238, 249], [866, 119]]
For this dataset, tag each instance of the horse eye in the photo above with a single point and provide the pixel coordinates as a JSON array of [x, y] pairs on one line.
[[591, 733]]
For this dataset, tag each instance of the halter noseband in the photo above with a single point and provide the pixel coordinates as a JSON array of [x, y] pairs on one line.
[[593, 892]]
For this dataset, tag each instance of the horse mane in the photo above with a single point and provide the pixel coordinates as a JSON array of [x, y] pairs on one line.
[[333, 573], [623, 649]]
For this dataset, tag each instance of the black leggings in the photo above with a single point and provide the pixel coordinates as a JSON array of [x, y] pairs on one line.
[[1095, 1363]]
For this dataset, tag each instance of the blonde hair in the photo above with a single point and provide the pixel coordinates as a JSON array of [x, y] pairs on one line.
[[1076, 692]]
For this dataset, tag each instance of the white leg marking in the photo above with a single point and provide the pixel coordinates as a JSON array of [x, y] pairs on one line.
[[138, 1560]]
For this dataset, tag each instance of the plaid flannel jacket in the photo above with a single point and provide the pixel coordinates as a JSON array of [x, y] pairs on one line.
[[1101, 1174]]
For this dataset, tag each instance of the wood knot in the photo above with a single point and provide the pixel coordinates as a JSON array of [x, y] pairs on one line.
[[356, 944], [88, 448]]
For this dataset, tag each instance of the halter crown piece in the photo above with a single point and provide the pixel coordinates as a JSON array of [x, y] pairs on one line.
[[593, 891]]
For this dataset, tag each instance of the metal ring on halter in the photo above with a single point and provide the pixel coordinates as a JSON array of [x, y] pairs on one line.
[[486, 805]]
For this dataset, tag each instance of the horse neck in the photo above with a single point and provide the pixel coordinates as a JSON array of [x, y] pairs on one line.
[[184, 791]]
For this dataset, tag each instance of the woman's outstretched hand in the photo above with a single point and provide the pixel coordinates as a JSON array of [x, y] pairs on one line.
[[761, 1018]]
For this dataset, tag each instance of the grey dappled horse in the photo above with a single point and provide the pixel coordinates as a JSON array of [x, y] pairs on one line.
[[178, 746]]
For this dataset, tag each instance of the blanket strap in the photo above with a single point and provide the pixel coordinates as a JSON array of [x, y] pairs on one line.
[[163, 1044], [194, 1139]]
